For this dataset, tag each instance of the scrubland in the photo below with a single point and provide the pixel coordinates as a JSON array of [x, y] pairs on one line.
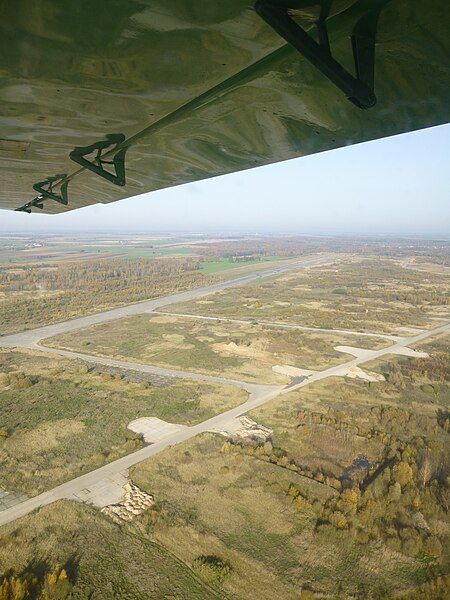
[[69, 550], [348, 497], [246, 351], [58, 419], [373, 295]]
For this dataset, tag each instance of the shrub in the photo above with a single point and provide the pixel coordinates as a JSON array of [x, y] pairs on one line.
[[339, 520], [432, 547], [402, 473], [411, 546], [212, 569]]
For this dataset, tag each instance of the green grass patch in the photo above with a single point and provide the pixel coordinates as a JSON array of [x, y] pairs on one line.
[[61, 421], [102, 560], [216, 266]]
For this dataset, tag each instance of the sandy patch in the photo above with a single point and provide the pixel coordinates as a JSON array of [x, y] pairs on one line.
[[178, 340], [168, 341], [163, 319], [314, 305], [357, 373], [204, 302], [232, 349]]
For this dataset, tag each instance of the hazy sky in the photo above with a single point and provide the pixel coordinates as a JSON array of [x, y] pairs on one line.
[[396, 185]]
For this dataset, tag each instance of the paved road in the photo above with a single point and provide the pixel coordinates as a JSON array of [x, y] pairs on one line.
[[251, 388], [29, 339], [98, 481], [255, 319]]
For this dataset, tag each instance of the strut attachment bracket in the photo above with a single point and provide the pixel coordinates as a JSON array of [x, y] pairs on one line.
[[46, 192], [359, 89], [96, 164], [35, 203], [45, 188]]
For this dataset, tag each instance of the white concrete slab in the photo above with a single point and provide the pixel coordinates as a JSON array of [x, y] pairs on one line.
[[405, 351], [153, 429], [358, 352], [357, 373], [104, 492]]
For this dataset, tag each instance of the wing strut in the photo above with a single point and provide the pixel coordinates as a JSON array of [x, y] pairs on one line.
[[360, 89]]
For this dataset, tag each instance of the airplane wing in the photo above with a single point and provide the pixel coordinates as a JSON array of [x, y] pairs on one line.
[[108, 99]]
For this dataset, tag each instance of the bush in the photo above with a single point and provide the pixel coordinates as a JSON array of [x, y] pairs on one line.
[[428, 389], [402, 473], [339, 520], [411, 546], [432, 547], [212, 569]]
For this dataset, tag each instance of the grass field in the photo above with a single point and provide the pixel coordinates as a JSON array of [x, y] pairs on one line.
[[103, 561], [229, 520], [240, 351], [304, 421], [238, 510], [61, 421], [272, 525], [56, 250], [368, 295], [347, 499], [216, 266]]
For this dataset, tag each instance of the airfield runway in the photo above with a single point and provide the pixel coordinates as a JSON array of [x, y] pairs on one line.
[[103, 486]]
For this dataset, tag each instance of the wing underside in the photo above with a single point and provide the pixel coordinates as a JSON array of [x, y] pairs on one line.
[[105, 100]]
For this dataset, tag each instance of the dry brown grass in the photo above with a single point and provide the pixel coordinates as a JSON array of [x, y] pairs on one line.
[[372, 294], [103, 560], [239, 351], [69, 421], [237, 508]]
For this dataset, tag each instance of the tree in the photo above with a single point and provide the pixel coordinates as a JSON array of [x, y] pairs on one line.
[[339, 520], [432, 547], [411, 545], [349, 500], [426, 468], [268, 447], [395, 492], [402, 473]]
